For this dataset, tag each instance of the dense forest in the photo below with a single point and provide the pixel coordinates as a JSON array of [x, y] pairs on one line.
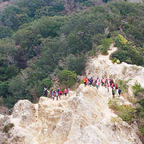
[[39, 39]]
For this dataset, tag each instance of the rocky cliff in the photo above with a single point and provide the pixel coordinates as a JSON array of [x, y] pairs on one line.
[[83, 117]]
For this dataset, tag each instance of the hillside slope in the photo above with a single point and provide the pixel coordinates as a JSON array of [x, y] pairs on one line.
[[83, 117], [102, 66]]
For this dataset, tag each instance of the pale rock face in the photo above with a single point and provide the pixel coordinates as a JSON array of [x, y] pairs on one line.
[[83, 117], [24, 111]]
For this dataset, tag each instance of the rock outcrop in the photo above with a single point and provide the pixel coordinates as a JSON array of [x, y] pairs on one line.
[[83, 117]]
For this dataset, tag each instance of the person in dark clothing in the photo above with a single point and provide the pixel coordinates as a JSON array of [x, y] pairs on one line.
[[45, 91], [90, 81], [58, 90], [119, 91], [113, 92]]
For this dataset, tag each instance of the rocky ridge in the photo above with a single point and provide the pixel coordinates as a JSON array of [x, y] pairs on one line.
[[82, 117]]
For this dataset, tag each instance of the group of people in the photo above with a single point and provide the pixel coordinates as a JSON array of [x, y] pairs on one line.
[[56, 94], [107, 83]]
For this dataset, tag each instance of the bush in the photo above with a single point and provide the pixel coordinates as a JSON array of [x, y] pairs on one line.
[[140, 108], [114, 60], [138, 90], [8, 127], [126, 112], [141, 129], [106, 44], [120, 41], [67, 78], [123, 85], [128, 52]]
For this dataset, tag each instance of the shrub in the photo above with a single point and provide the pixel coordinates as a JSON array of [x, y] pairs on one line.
[[141, 129], [67, 78], [120, 41], [128, 52], [140, 108], [126, 112], [92, 52], [123, 85], [115, 120], [104, 51], [8, 127], [106, 44], [138, 90], [114, 60]]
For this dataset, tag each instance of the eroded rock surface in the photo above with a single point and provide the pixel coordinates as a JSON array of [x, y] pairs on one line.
[[83, 117]]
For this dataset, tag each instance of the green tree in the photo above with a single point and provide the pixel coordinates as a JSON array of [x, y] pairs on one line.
[[5, 32], [67, 78], [76, 63], [47, 82], [3, 89], [79, 41]]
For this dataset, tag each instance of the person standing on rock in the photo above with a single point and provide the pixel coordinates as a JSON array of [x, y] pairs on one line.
[[57, 95], [119, 91], [60, 94], [53, 94], [108, 87], [85, 81], [116, 86], [65, 91], [91, 81], [102, 81], [97, 86], [45, 92], [113, 92]]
